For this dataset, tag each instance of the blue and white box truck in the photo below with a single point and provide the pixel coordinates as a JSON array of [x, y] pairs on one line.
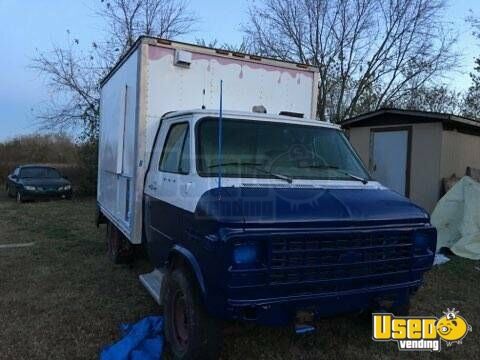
[[249, 210]]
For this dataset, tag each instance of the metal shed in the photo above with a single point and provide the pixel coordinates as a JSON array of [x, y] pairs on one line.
[[412, 151]]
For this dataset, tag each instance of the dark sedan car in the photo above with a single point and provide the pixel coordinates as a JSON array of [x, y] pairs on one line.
[[29, 182]]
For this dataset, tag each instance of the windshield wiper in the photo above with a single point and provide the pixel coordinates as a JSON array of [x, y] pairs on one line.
[[255, 166], [333, 167]]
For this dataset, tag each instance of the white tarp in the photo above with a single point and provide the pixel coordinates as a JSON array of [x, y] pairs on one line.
[[457, 219]]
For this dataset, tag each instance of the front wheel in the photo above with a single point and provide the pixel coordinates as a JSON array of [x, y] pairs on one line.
[[19, 197], [190, 332]]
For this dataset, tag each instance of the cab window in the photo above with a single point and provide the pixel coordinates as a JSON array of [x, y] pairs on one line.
[[176, 150], [296, 151]]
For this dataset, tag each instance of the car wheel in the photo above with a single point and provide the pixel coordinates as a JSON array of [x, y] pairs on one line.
[[19, 197], [118, 247], [189, 331]]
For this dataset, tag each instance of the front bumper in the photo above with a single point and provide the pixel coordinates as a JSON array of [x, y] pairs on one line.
[[282, 311], [46, 194], [325, 273]]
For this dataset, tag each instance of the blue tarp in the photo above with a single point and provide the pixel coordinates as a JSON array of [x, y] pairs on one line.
[[140, 341]]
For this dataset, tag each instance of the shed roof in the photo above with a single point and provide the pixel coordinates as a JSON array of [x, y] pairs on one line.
[[385, 116]]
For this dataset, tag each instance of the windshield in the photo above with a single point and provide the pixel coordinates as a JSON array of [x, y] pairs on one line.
[[276, 150], [39, 172]]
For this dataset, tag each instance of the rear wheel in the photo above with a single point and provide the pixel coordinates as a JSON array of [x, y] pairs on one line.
[[190, 332], [119, 249]]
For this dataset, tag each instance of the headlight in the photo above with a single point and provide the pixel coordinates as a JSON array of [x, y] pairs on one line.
[[245, 254], [30, 188], [67, 187], [425, 240]]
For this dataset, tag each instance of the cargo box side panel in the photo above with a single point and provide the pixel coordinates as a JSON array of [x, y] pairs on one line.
[[116, 168], [245, 83]]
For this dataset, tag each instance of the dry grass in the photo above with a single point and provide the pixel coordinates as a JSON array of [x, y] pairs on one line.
[[63, 299]]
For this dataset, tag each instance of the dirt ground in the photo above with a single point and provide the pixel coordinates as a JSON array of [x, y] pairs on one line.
[[62, 299]]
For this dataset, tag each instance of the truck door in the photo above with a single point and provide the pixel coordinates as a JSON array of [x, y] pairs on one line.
[[167, 186]]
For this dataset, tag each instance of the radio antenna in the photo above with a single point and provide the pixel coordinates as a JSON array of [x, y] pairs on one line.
[[220, 120]]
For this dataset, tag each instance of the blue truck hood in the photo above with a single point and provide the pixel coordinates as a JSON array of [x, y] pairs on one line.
[[308, 207]]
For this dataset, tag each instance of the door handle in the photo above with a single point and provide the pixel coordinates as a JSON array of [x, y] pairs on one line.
[[186, 187]]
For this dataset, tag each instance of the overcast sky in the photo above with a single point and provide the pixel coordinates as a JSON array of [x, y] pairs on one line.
[[36, 24]]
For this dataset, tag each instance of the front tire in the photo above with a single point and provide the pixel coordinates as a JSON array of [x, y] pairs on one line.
[[190, 332], [19, 197]]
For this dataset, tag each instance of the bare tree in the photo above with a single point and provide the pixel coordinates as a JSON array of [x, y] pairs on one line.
[[72, 77], [73, 71], [471, 105], [437, 98], [128, 19], [368, 52], [243, 47]]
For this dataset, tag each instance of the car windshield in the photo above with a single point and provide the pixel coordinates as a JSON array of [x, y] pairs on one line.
[[39, 172], [276, 150]]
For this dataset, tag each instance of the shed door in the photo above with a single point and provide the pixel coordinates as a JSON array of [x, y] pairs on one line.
[[389, 160]]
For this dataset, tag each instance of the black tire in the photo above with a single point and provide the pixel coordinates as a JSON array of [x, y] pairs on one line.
[[119, 249], [191, 333]]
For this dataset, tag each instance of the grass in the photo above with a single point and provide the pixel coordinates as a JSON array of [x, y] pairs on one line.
[[63, 299]]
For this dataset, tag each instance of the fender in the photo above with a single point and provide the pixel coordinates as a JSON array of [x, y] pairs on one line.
[[188, 256]]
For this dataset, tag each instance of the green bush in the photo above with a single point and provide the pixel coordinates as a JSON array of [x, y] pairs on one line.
[[88, 166]]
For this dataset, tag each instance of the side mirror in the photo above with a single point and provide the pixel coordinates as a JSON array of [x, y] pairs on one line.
[[15, 177]]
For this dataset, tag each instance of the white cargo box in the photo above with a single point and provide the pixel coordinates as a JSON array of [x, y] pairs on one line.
[[157, 76]]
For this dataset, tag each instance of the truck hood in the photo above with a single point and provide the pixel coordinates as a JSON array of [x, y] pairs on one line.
[[308, 207]]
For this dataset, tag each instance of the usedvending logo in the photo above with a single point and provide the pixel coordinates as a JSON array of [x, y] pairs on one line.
[[420, 333]]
